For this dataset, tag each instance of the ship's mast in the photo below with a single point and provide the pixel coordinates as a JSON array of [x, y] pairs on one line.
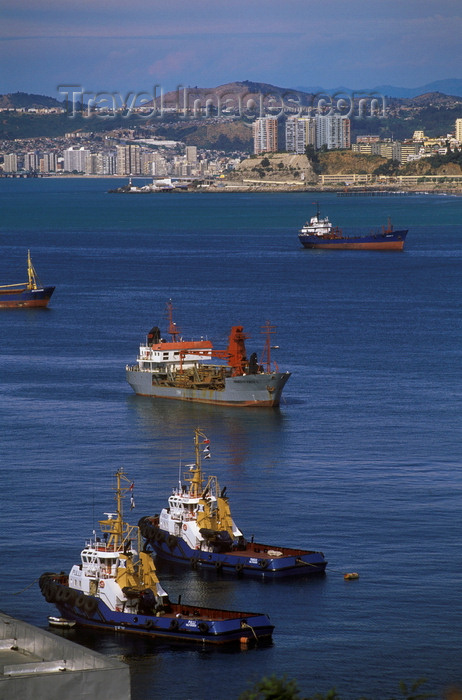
[[268, 330], [31, 273], [172, 327], [116, 528], [195, 478]]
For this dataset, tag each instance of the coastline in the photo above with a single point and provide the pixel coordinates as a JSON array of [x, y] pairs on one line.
[[453, 189]]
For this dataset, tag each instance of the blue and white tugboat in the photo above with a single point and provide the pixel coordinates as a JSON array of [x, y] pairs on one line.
[[115, 587], [197, 529]]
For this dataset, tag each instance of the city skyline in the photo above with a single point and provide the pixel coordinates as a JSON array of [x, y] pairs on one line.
[[119, 46]]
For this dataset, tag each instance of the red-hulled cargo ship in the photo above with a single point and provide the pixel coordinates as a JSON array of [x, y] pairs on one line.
[[25, 294], [319, 233]]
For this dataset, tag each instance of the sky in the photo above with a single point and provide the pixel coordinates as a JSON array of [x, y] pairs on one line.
[[132, 45]]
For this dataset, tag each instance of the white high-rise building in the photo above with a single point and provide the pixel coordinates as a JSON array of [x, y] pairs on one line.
[[300, 133], [75, 159], [10, 163], [332, 131], [31, 161]]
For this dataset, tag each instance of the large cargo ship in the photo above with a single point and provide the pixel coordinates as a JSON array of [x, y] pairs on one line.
[[320, 233], [197, 529], [184, 370], [25, 294]]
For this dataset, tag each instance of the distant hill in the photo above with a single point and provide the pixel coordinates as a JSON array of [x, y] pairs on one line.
[[23, 100], [246, 88], [451, 86], [434, 112], [437, 91]]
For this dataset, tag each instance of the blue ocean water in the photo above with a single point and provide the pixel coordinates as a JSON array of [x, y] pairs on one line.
[[362, 460]]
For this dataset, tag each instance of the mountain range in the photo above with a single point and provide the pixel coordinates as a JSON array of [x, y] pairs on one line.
[[450, 86]]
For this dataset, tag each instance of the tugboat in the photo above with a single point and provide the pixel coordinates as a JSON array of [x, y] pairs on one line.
[[182, 370], [197, 529], [319, 233], [25, 294], [115, 587]]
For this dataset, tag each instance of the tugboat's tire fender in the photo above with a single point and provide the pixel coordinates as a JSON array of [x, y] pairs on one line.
[[90, 606], [60, 593], [150, 624], [193, 561], [143, 525], [264, 563], [45, 578], [68, 595], [80, 601], [49, 591], [239, 566], [159, 536], [218, 565], [174, 625], [172, 541], [203, 627]]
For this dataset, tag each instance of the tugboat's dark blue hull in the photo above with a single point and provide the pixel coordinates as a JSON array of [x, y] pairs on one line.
[[184, 623], [255, 559]]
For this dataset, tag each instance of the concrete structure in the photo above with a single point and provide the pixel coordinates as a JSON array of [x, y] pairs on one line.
[[35, 664], [300, 133], [387, 149], [265, 135], [368, 138], [191, 155], [408, 151], [48, 163], [75, 159], [128, 160], [459, 130], [10, 163], [333, 131], [31, 161]]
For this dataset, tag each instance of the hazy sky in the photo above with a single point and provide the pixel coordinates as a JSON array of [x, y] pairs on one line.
[[131, 45]]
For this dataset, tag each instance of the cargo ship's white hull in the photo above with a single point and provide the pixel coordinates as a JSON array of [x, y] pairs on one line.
[[248, 390]]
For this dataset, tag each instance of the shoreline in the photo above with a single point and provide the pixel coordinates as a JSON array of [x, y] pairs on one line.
[[455, 190]]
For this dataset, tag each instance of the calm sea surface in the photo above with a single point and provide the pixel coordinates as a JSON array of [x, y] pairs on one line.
[[362, 460]]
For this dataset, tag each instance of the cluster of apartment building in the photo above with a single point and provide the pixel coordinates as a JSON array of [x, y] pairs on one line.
[[330, 131], [420, 146], [334, 132], [131, 159], [123, 154]]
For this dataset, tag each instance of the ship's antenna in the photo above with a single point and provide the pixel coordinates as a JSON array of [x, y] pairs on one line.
[[172, 327], [268, 330]]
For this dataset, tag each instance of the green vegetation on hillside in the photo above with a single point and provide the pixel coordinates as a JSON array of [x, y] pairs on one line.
[[435, 121], [339, 162]]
